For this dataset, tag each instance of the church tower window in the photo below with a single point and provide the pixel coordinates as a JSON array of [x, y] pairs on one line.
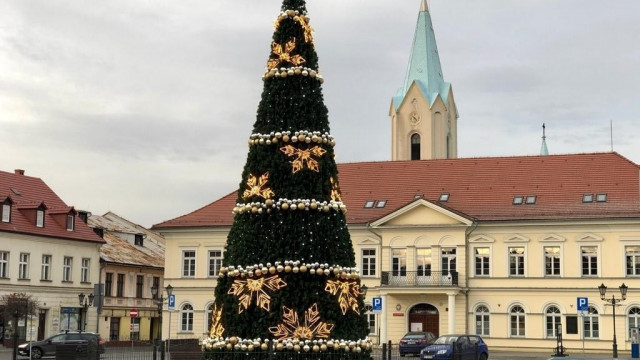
[[415, 147]]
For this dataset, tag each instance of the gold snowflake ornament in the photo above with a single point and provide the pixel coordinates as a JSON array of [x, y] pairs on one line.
[[284, 55], [311, 329], [216, 325], [257, 187], [347, 291], [245, 290], [304, 157], [335, 190]]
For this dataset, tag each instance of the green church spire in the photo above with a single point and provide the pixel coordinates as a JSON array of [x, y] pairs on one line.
[[424, 63]]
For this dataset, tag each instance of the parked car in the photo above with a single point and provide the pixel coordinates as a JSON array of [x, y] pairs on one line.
[[47, 347], [465, 347], [414, 341]]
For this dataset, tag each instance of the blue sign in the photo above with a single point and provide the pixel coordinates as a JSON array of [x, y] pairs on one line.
[[69, 310], [172, 302], [583, 304], [376, 305]]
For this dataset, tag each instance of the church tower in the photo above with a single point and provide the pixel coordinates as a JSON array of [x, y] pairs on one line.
[[424, 117]]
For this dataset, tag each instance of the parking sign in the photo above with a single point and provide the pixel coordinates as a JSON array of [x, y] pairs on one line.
[[583, 305], [172, 302], [376, 305]]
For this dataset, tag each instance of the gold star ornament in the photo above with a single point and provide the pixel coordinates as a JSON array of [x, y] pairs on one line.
[[304, 158], [292, 329], [284, 55], [257, 187], [335, 190], [246, 290]]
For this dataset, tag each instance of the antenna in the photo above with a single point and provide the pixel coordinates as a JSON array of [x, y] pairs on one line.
[[611, 133]]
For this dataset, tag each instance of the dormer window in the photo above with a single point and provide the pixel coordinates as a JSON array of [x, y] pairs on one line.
[[70, 222], [40, 217], [139, 240], [518, 200], [6, 212], [531, 199], [444, 197], [369, 204], [601, 198], [587, 198], [381, 203]]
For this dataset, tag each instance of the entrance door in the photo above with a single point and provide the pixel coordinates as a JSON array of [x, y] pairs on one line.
[[427, 315], [42, 320], [114, 329]]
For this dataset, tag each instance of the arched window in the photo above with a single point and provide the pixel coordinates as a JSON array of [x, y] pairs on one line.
[[415, 147], [208, 313], [372, 319], [634, 318], [553, 319], [517, 321], [591, 326], [186, 318], [482, 320]]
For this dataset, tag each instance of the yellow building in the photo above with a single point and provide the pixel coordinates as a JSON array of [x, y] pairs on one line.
[[501, 247]]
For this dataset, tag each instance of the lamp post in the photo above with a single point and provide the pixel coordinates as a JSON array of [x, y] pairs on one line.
[[160, 304], [16, 315], [613, 302], [169, 289], [85, 301]]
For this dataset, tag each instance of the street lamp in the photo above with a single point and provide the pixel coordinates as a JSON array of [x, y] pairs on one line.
[[613, 302], [85, 301], [16, 315], [169, 289], [159, 303]]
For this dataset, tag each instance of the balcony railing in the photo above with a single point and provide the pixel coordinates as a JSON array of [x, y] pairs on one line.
[[419, 278]]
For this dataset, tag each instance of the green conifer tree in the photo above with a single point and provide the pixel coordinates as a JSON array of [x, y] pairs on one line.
[[288, 282]]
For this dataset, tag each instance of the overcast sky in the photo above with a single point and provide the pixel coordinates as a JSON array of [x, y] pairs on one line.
[[144, 107]]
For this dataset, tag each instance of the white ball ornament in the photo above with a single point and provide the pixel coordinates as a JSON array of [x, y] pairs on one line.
[[306, 348], [305, 73], [290, 72]]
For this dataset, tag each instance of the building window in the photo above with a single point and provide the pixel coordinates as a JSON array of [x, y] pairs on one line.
[[23, 266], [84, 273], [188, 263], [601, 198], [590, 321], [381, 203], [186, 318], [587, 198], [518, 200], [66, 268], [120, 286], [633, 260], [138, 240], [531, 199], [517, 321], [448, 260], [4, 264], [6, 212], [482, 321], [45, 273], [553, 319], [369, 204], [108, 284], [423, 261], [552, 260], [415, 147], [516, 261], [372, 319], [368, 262], [589, 260], [156, 284], [633, 319], [139, 285], [482, 262], [40, 218], [399, 262], [215, 262], [135, 335], [70, 222]]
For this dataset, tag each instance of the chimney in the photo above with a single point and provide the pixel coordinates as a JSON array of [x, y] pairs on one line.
[[19, 172]]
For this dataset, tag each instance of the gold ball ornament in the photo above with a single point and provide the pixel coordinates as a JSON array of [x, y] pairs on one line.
[[301, 206], [229, 346], [316, 348], [272, 270], [254, 210], [296, 348], [303, 268], [268, 202], [358, 350], [285, 206], [323, 347], [258, 272], [313, 205], [336, 346], [264, 346], [285, 138], [283, 74], [279, 347], [291, 13], [325, 208], [297, 71], [301, 137], [287, 269], [250, 347], [336, 271]]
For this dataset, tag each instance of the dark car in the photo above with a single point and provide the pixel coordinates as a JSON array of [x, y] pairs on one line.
[[47, 347], [414, 341], [465, 347]]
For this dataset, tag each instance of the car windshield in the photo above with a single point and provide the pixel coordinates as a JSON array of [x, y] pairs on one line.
[[414, 336], [446, 340]]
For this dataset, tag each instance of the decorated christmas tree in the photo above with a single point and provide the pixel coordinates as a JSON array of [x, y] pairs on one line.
[[288, 284]]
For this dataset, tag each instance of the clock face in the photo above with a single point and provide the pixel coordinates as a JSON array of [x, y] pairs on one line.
[[414, 118]]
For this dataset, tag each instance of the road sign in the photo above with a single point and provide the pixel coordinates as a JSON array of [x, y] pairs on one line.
[[134, 327], [133, 313], [583, 305], [376, 305], [172, 302]]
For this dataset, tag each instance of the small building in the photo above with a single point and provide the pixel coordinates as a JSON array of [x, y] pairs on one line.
[[131, 262]]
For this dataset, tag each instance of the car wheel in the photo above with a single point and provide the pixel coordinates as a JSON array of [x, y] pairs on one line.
[[483, 356], [36, 353]]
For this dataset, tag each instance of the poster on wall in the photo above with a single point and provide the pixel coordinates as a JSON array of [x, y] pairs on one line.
[[416, 326], [69, 318]]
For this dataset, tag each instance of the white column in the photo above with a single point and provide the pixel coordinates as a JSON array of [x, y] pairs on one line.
[[383, 320], [452, 312]]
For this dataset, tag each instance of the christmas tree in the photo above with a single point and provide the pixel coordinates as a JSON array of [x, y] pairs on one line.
[[288, 284]]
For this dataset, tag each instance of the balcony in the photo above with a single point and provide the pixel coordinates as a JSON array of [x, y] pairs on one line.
[[403, 278]]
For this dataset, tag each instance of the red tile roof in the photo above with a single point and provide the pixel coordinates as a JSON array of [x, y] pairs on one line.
[[27, 194], [481, 189]]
